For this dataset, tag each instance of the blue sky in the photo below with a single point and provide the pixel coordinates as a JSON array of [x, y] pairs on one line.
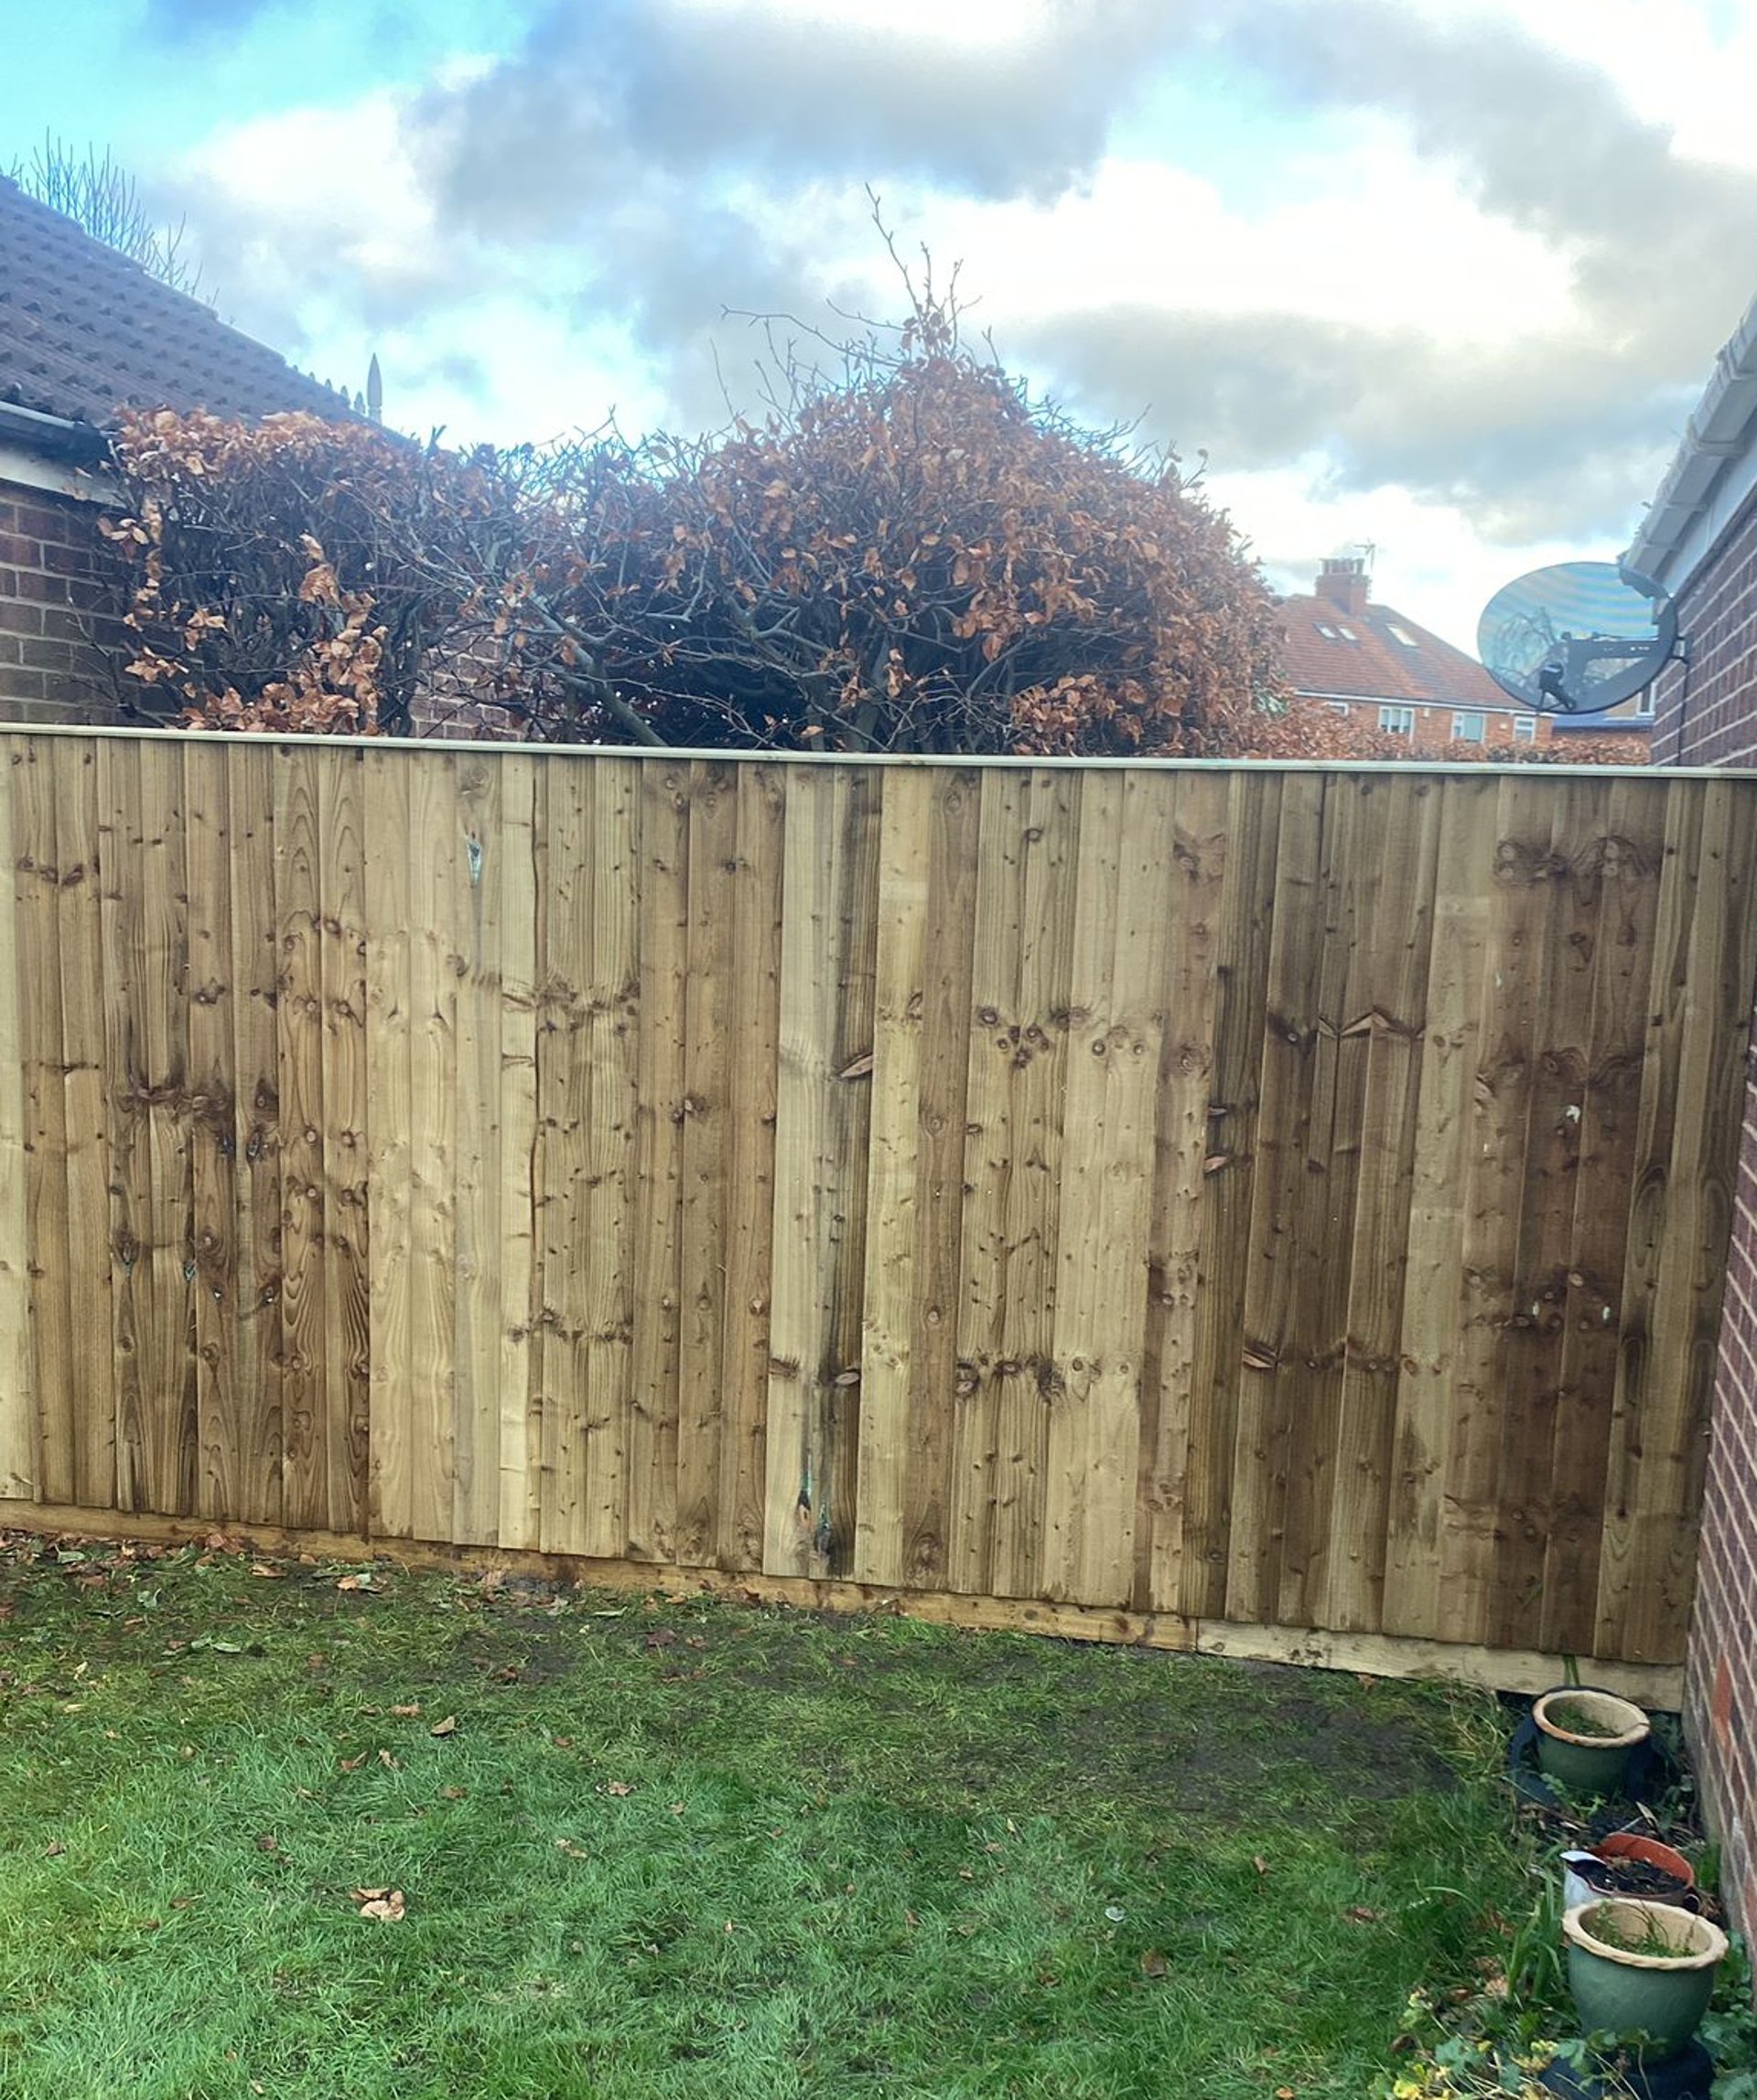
[[1440, 276]]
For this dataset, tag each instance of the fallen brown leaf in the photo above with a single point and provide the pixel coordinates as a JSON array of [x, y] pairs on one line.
[[448, 1726], [407, 1713], [267, 1843], [620, 1787], [387, 1905], [351, 1763], [388, 1762], [1154, 1963], [53, 1851], [1260, 1863], [265, 1571], [1358, 1914], [573, 1851], [455, 1792]]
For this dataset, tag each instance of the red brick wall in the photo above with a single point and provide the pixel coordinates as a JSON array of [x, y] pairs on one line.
[[1706, 715], [60, 606]]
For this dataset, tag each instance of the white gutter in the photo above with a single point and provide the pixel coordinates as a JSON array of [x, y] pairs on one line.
[[1714, 473]]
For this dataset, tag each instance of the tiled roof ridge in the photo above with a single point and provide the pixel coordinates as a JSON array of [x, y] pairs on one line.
[[86, 333]]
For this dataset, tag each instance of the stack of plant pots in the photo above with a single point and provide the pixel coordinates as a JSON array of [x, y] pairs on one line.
[[1641, 1967]]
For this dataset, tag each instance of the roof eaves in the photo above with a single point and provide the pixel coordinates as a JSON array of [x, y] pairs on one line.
[[1713, 472], [52, 437]]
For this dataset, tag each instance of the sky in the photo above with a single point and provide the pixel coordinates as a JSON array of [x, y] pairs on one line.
[[1439, 279]]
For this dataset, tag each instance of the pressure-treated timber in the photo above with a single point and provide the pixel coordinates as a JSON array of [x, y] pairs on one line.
[[1278, 1211]]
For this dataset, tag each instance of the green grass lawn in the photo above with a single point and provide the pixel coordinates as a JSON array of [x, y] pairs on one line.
[[697, 1849]]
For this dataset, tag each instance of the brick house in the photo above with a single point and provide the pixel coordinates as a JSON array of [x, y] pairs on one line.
[[1367, 662], [1699, 542], [83, 333], [1380, 668]]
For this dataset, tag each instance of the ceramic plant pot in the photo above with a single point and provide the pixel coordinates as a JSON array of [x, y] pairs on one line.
[[1585, 1738], [1645, 1968]]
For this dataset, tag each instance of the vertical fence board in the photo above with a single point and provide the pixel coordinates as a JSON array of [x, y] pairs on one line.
[[1387, 1017], [391, 1118], [1194, 1577], [1274, 1255], [18, 1400], [478, 1313], [1181, 912], [256, 1126], [519, 1498], [1699, 1012], [1493, 1199], [341, 953], [661, 1058], [436, 860], [822, 1117], [912, 1387], [223, 1426], [1628, 853], [1432, 1305]]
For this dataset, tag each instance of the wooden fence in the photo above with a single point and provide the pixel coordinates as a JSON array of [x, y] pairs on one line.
[[1282, 1198]]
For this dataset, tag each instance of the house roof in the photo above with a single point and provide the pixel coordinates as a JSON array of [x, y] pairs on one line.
[[1347, 650], [85, 332]]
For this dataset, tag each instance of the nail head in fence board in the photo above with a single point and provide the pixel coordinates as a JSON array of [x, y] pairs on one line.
[[519, 1507], [1191, 1573], [1445, 1114], [18, 1395], [342, 951], [389, 908], [435, 877], [1628, 853], [1185, 902], [478, 1316], [1288, 1036], [1387, 1019], [661, 1060]]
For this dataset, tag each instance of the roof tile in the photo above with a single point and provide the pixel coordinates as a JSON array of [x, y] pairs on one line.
[[84, 333]]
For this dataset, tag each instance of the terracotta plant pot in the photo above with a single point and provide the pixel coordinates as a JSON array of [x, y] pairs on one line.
[[1585, 1738], [1579, 1887], [1641, 1968]]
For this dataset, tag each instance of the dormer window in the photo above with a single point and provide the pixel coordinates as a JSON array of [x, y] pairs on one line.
[[1401, 634]]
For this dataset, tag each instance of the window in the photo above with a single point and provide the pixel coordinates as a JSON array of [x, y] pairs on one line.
[[1472, 728], [1524, 728], [1337, 707], [1348, 634], [1329, 633], [1397, 721], [1401, 634]]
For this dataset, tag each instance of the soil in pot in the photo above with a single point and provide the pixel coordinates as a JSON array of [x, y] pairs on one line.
[[1641, 1968], [1627, 1864], [1585, 1738]]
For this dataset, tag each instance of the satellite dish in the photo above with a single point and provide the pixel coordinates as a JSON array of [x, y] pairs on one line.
[[1576, 638]]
